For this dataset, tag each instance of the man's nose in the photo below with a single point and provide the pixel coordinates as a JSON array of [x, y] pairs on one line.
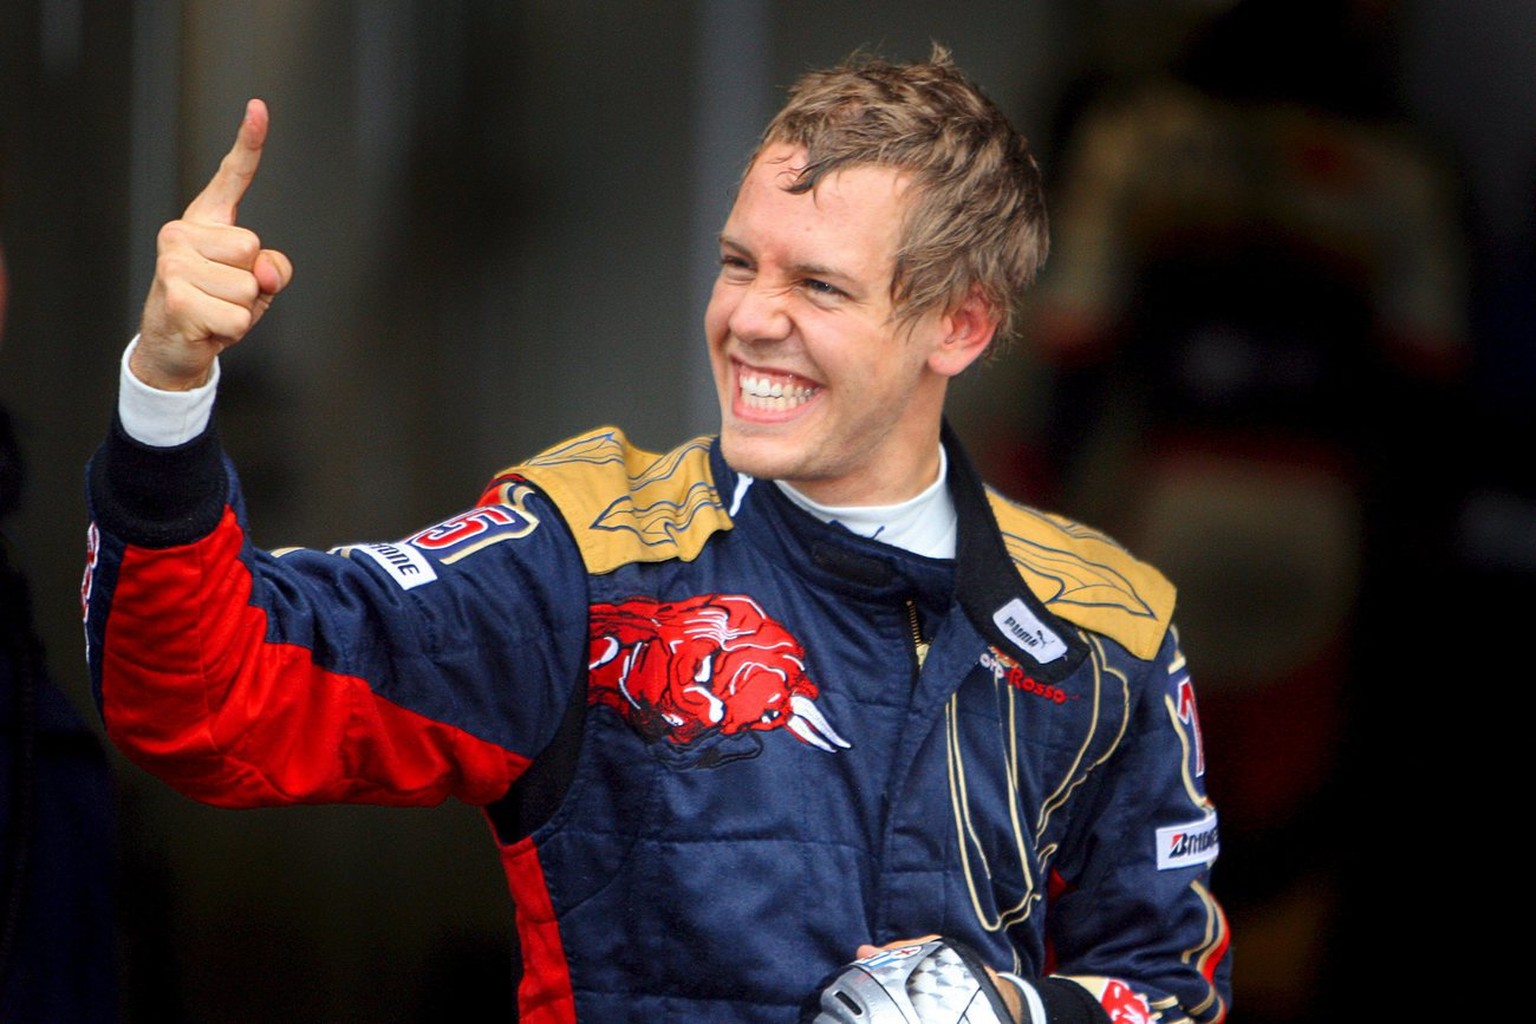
[[762, 313]]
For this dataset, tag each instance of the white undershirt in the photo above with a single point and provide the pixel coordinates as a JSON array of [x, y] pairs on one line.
[[163, 418]]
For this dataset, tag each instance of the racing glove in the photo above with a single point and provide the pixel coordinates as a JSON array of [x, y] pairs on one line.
[[940, 981]]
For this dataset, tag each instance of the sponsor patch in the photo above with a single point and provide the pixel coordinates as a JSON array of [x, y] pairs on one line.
[[1005, 669], [1184, 846], [1027, 632], [407, 566], [479, 528]]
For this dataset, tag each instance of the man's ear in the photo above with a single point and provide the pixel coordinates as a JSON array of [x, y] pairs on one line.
[[965, 333]]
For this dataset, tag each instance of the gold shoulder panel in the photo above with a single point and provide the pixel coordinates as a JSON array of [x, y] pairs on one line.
[[1086, 578], [625, 504]]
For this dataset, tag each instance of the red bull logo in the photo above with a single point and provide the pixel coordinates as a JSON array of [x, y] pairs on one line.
[[710, 666]]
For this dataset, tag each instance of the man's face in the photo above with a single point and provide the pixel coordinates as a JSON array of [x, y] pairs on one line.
[[819, 385]]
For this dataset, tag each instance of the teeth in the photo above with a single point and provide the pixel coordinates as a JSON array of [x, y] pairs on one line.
[[762, 392]]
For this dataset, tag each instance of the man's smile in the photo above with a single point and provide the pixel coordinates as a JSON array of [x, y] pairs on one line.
[[772, 391]]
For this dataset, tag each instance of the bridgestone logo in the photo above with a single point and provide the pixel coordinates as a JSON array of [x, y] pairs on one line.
[[1183, 846], [403, 563]]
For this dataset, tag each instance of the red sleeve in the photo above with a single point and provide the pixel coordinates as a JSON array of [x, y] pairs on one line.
[[193, 691]]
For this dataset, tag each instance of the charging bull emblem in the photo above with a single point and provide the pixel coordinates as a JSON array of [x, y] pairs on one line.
[[709, 670]]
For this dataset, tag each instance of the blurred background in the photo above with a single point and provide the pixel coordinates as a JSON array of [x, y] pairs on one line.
[[1283, 349]]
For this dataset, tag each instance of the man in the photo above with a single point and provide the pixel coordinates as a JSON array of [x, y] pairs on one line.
[[739, 710]]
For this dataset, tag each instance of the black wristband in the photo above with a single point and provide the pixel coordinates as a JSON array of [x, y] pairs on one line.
[[158, 497], [1067, 1002]]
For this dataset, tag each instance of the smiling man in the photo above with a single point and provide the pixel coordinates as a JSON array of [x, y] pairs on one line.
[[740, 711], [821, 385]]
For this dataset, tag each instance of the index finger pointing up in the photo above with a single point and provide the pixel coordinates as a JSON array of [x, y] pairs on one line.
[[219, 201]]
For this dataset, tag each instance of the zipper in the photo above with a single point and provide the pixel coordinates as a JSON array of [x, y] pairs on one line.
[[919, 645]]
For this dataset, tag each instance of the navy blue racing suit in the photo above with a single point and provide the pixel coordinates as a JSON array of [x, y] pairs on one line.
[[720, 743]]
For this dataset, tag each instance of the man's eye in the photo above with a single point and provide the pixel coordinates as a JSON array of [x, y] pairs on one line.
[[729, 262], [816, 287]]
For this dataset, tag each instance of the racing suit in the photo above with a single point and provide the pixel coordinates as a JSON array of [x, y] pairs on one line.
[[720, 743]]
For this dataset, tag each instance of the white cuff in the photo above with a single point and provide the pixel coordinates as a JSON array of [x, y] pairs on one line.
[[1032, 1003], [163, 419]]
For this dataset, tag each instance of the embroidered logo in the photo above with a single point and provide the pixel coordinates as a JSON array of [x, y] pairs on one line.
[[700, 679], [479, 528], [1004, 668], [1183, 846], [405, 565], [1028, 633], [452, 539]]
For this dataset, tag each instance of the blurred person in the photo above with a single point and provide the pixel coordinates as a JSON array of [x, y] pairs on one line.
[[57, 959], [737, 712], [1255, 329]]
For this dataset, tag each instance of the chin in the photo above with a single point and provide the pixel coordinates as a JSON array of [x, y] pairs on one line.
[[764, 458]]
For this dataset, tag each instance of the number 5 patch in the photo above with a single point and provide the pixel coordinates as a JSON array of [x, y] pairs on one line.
[[478, 528]]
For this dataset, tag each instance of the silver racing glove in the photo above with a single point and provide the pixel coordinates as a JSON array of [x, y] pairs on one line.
[[941, 981]]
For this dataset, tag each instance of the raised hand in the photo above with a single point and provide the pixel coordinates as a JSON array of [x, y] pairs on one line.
[[213, 279]]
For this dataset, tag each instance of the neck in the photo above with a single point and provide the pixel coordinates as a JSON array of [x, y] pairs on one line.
[[878, 487], [924, 524]]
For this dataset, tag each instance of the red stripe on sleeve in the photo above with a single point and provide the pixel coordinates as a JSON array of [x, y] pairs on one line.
[[192, 692]]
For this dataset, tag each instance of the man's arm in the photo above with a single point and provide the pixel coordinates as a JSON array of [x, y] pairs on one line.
[[400, 673], [395, 673], [1131, 916]]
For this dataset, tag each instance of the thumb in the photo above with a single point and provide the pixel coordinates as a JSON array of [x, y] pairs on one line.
[[273, 271]]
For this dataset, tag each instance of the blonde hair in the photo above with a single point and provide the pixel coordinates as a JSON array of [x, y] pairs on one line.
[[977, 216]]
